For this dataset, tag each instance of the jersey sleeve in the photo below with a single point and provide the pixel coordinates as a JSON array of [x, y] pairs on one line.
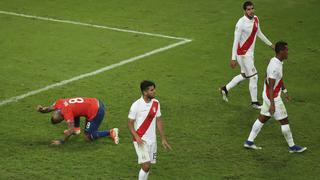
[[159, 111], [133, 112], [237, 34], [67, 114], [273, 73], [262, 36], [57, 104]]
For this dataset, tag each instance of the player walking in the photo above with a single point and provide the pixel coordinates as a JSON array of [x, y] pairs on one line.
[[74, 108], [144, 116], [247, 28], [272, 102]]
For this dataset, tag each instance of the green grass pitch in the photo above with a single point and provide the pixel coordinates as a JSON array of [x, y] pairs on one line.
[[205, 133]]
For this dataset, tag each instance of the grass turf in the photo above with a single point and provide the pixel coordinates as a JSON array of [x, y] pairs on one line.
[[206, 134]]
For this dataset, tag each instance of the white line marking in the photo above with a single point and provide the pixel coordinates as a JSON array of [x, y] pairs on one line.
[[91, 25], [106, 68]]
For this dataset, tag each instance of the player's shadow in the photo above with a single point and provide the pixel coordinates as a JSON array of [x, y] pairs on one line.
[[76, 143]]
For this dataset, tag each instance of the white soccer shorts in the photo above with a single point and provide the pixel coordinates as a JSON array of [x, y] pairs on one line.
[[146, 152], [246, 63], [280, 112]]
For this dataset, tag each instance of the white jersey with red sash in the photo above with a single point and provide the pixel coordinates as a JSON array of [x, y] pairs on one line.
[[145, 114], [245, 36], [274, 71]]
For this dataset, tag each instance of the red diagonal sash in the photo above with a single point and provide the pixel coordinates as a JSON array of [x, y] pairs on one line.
[[146, 123], [247, 44], [276, 90]]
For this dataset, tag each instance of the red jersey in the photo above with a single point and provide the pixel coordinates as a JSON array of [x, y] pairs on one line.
[[76, 107]]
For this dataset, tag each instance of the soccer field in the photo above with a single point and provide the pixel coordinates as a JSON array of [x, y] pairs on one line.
[[185, 47]]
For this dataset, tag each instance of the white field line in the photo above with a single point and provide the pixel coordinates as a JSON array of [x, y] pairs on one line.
[[91, 25], [106, 68]]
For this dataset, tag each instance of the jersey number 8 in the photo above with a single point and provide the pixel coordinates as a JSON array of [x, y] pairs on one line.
[[76, 100]]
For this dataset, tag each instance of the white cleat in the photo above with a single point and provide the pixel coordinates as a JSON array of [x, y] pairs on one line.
[[224, 94], [297, 149], [256, 105], [251, 145], [114, 133]]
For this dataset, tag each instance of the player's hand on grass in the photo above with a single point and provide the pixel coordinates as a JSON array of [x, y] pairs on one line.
[[165, 144], [57, 142], [272, 108], [233, 64], [40, 108]]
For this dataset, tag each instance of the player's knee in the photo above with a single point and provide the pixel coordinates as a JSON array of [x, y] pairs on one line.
[[244, 75], [146, 167], [91, 136], [254, 78], [284, 121], [263, 118]]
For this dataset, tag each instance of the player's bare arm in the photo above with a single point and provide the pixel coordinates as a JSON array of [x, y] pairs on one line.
[[271, 96], [44, 109], [164, 141], [233, 63], [286, 94], [133, 132]]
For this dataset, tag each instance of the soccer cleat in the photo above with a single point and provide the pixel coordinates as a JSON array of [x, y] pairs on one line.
[[224, 92], [251, 145], [114, 133], [256, 105], [77, 131], [297, 149]]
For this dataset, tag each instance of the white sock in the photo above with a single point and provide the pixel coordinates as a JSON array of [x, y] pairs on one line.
[[143, 175], [255, 130], [235, 81], [146, 177], [287, 134], [253, 88]]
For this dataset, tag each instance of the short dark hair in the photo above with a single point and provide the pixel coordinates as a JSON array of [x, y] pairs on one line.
[[280, 46], [144, 85], [246, 4]]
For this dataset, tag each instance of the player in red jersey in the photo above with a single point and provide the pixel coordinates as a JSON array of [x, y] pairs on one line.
[[72, 109]]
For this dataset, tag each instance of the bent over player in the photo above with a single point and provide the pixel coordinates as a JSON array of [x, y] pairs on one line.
[[72, 109], [272, 102], [247, 29], [143, 117]]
